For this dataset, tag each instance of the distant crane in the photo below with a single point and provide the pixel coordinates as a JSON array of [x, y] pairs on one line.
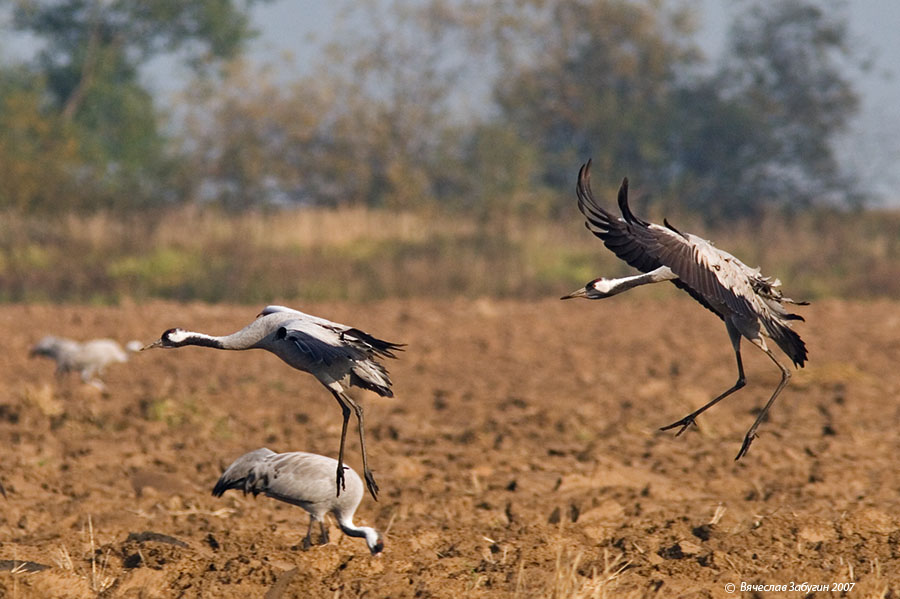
[[750, 304], [90, 358], [302, 479], [329, 351]]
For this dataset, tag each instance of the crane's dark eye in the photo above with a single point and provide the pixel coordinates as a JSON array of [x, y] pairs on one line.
[[281, 333]]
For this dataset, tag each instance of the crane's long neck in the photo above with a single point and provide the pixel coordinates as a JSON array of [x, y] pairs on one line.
[[246, 338], [373, 539], [608, 287]]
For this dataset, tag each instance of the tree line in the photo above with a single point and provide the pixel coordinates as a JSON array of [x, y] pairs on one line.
[[472, 105]]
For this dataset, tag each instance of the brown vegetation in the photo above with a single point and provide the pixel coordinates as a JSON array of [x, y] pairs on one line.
[[359, 254]]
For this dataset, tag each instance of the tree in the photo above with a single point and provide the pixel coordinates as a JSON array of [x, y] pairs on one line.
[[369, 125], [89, 63], [491, 106], [599, 87], [38, 153], [759, 132]]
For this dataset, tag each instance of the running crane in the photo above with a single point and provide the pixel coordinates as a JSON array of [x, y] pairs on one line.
[[750, 305]]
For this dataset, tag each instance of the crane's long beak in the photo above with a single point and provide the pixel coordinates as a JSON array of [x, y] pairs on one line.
[[580, 292], [157, 343]]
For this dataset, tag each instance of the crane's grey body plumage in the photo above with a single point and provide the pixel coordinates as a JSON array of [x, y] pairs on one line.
[[305, 480], [750, 304], [336, 354]]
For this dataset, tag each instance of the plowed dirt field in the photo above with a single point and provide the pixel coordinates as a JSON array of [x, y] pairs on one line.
[[521, 457]]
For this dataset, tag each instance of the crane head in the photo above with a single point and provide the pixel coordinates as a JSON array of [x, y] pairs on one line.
[[170, 338], [376, 544], [596, 289]]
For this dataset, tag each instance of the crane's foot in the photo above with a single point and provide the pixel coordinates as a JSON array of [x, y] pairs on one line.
[[306, 545], [684, 423], [371, 484], [340, 484], [745, 445]]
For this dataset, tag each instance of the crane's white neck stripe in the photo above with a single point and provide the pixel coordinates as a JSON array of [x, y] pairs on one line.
[[180, 336]]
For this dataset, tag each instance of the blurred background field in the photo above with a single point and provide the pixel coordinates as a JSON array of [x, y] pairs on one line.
[[359, 254]]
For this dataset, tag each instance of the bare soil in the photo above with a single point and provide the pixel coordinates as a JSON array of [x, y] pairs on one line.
[[521, 457]]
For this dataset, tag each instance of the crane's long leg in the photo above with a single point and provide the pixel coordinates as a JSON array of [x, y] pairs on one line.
[[346, 403], [785, 377], [324, 528], [370, 478], [345, 409], [307, 541], [688, 420]]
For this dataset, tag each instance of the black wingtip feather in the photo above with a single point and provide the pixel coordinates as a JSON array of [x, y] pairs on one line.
[[583, 184], [627, 214], [622, 199], [672, 228]]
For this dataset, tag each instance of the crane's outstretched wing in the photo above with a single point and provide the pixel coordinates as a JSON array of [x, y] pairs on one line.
[[628, 238], [714, 274], [619, 235]]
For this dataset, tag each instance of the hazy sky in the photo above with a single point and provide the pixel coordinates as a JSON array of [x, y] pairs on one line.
[[872, 147]]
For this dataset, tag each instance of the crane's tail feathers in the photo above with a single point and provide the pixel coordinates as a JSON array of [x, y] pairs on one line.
[[373, 344], [225, 484], [788, 340], [249, 482], [246, 473], [795, 302], [372, 376]]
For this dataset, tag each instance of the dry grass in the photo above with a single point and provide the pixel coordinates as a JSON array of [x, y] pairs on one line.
[[569, 584], [359, 254], [94, 570]]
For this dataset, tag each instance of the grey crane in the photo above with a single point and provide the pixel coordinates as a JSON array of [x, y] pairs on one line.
[[333, 353], [90, 358], [750, 305], [303, 479]]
